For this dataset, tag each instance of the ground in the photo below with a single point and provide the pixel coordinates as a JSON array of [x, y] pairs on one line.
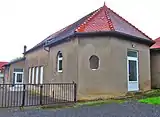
[[125, 109], [130, 106]]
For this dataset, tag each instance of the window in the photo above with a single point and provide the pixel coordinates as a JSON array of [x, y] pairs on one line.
[[37, 74], [94, 62], [29, 75], [132, 70], [41, 74], [19, 78], [33, 75], [18, 70], [132, 53], [59, 62]]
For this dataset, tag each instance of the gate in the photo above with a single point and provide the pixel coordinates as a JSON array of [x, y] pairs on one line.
[[19, 95]]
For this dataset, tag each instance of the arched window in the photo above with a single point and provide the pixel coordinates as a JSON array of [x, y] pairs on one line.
[[94, 62], [59, 61]]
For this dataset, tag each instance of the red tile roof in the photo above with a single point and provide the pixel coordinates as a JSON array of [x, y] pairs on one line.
[[2, 64], [105, 19], [157, 44], [98, 21]]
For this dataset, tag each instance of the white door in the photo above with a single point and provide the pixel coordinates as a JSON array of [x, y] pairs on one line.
[[132, 73], [18, 76]]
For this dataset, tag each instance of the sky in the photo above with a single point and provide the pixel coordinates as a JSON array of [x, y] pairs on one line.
[[27, 22]]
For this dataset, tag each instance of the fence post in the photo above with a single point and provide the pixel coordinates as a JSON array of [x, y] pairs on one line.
[[75, 92], [23, 97], [41, 87]]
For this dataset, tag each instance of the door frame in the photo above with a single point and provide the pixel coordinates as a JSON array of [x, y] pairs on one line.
[[15, 79], [137, 64]]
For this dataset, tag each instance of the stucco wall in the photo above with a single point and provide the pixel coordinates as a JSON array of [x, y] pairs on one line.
[[69, 73], [19, 64], [111, 77], [69, 52], [37, 58], [155, 69]]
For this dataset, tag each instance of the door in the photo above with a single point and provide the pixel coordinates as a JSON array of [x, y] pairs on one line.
[[18, 78], [132, 73]]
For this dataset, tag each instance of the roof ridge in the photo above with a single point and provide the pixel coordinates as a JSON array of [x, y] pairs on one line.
[[87, 20], [130, 24], [108, 17]]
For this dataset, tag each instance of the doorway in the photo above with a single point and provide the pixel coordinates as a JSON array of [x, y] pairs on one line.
[[132, 71]]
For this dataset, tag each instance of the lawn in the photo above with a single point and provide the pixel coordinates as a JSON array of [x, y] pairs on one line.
[[152, 100]]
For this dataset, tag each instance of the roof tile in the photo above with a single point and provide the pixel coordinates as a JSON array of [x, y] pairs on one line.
[[157, 44], [2, 64]]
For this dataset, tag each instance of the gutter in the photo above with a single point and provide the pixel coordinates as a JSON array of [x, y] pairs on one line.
[[115, 33]]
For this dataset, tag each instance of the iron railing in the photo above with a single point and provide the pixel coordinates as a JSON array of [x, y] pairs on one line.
[[19, 95]]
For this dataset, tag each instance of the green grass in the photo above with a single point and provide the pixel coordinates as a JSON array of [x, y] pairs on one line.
[[152, 100]]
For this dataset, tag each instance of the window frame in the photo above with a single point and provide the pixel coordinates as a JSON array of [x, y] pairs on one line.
[[41, 77], [30, 75], [33, 75], [94, 69], [15, 73], [37, 74], [58, 62]]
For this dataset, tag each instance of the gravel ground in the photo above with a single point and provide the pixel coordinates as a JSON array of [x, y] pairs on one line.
[[128, 109]]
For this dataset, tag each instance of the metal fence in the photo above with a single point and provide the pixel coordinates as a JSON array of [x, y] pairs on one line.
[[16, 95]]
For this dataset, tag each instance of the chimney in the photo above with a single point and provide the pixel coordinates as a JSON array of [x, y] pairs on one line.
[[25, 48]]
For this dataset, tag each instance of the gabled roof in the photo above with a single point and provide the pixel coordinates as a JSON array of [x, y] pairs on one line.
[[157, 44], [15, 61], [2, 64], [101, 20]]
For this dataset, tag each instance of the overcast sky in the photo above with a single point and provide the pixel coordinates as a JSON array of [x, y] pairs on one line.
[[27, 22]]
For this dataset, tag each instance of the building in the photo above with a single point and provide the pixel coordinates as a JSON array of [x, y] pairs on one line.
[[102, 52], [14, 71], [2, 72], [155, 64]]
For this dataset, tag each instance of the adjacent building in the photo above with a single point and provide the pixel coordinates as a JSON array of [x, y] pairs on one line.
[[2, 72], [14, 71], [155, 64]]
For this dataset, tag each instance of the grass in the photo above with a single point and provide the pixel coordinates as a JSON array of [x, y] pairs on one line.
[[80, 104], [149, 97], [144, 95], [152, 93], [152, 100], [99, 102], [35, 92]]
